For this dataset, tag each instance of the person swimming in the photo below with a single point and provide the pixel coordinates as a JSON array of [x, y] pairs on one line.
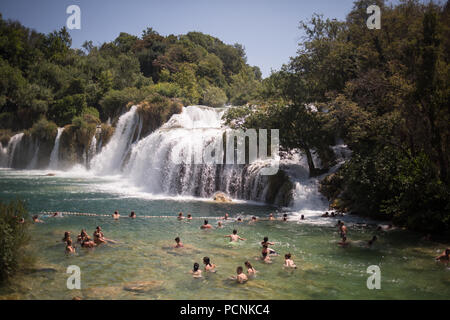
[[241, 277], [180, 216], [285, 217], [265, 257], [344, 242], [206, 225], [302, 217], [179, 244], [209, 267], [288, 262], [342, 229], [444, 257], [267, 243], [325, 215], [225, 217], [116, 215], [371, 241], [82, 235], [36, 219], [66, 236], [250, 270], [196, 272], [219, 225], [69, 247], [189, 216], [87, 243], [99, 238], [234, 237], [132, 215], [271, 218], [239, 219]]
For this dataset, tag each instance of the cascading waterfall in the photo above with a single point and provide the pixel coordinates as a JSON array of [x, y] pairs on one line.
[[8, 157], [162, 162], [111, 159], [54, 156], [34, 160]]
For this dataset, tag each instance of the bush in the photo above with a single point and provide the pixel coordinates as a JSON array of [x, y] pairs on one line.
[[14, 238], [44, 130], [214, 97]]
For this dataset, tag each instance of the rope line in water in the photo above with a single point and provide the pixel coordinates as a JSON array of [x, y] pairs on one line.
[[110, 215]]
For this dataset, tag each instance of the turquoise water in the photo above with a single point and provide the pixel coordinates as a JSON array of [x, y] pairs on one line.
[[143, 253]]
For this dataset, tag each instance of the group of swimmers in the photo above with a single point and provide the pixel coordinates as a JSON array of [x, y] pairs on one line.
[[84, 240], [266, 253]]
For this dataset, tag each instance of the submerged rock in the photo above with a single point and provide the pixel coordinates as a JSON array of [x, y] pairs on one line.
[[144, 286]]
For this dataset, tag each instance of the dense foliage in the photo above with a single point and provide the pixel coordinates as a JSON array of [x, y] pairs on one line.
[[14, 237], [385, 93], [43, 77]]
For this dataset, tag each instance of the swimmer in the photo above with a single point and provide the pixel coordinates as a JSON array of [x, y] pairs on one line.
[[209, 267], [344, 242], [325, 215], [444, 257], [371, 241], [342, 229], [179, 243], [196, 272], [241, 277], [88, 243], [21, 221], [66, 236], [271, 218], [132, 215], [36, 219], [288, 262], [250, 270], [206, 225], [189, 216], [332, 215], [239, 219], [265, 257], [219, 225], [266, 243], [116, 215], [83, 235], [225, 217], [254, 219], [180, 216], [302, 217], [69, 247], [285, 217], [234, 237], [57, 214], [99, 238]]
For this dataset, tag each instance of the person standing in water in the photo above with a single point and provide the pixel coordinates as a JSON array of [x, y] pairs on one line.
[[116, 215], [234, 237], [66, 236], [219, 225], [241, 277], [266, 243], [206, 225], [271, 218], [132, 215], [209, 267], [285, 217], [179, 244], [69, 247], [189, 216], [180, 216], [36, 219], [99, 237], [196, 272]]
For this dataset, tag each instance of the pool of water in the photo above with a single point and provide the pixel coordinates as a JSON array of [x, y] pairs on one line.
[[143, 252]]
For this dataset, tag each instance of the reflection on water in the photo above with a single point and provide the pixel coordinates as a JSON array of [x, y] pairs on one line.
[[143, 264]]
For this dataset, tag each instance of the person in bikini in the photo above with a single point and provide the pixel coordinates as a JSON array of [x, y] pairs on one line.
[[209, 267], [206, 225], [179, 244]]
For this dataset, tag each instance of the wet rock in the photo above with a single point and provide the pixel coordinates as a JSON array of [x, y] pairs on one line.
[[221, 197]]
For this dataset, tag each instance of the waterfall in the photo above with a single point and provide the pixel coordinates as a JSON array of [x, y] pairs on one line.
[[34, 160], [162, 162], [7, 159], [93, 147], [111, 159], [54, 156]]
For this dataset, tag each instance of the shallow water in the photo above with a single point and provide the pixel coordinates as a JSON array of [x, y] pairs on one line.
[[144, 254]]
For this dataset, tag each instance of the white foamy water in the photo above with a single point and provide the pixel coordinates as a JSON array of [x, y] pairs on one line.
[[54, 156]]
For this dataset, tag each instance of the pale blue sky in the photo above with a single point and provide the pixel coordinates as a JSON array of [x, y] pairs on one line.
[[268, 29]]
